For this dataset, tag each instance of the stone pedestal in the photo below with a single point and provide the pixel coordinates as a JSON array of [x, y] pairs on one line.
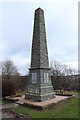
[[39, 88]]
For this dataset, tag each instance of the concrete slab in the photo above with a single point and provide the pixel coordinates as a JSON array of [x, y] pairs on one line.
[[41, 105]]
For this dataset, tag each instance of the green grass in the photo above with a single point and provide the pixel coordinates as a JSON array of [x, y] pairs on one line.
[[67, 92], [68, 109], [20, 92], [71, 92], [6, 102]]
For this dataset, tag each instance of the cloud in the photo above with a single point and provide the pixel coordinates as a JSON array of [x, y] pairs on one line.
[[72, 64]]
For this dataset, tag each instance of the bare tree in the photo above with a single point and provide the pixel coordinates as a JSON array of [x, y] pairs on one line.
[[56, 70], [59, 69], [9, 69], [62, 75]]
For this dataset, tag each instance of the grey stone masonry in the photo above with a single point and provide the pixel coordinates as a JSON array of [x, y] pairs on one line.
[[39, 88], [39, 57]]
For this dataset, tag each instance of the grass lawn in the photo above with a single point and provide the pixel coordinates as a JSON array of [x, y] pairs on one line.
[[6, 102], [20, 92], [71, 92], [67, 92], [68, 109]]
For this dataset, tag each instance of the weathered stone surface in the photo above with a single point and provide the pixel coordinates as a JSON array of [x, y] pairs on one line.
[[39, 58], [39, 88]]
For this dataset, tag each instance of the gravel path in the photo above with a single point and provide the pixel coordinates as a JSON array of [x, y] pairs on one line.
[[7, 112], [9, 105]]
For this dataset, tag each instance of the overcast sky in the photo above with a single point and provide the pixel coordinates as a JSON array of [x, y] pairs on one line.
[[16, 30]]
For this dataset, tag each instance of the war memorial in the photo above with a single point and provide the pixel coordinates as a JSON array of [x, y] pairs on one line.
[[40, 93], [39, 88]]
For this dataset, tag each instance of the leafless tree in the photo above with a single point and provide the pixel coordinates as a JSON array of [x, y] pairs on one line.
[[56, 68], [62, 75], [9, 69]]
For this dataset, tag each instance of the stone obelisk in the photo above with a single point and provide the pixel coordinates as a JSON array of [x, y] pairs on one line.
[[39, 88]]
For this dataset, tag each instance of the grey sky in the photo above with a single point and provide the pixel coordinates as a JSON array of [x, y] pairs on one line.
[[61, 19]]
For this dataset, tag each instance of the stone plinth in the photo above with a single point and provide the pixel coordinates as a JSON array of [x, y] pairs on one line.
[[41, 105]]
